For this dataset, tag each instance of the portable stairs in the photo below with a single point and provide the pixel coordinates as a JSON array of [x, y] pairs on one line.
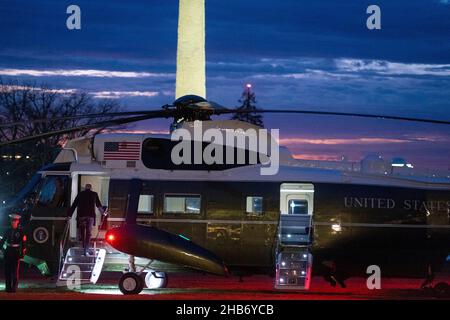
[[77, 268], [293, 256]]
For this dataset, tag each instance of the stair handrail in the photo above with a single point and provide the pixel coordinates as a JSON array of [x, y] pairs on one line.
[[104, 213], [62, 243]]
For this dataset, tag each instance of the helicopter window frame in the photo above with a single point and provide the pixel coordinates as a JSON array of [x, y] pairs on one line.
[[250, 205], [185, 196], [303, 205], [151, 204], [64, 202]]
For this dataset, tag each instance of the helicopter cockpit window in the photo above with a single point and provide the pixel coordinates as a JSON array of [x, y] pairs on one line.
[[53, 192], [182, 204], [296, 206], [254, 205], [145, 205]]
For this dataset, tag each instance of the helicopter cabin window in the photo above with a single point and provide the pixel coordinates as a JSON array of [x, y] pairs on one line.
[[53, 192], [296, 206], [182, 204], [145, 205], [255, 205]]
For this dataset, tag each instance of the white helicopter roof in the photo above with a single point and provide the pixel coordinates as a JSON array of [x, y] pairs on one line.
[[88, 154]]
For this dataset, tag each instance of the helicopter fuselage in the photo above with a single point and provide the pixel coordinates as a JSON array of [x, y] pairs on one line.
[[357, 220]]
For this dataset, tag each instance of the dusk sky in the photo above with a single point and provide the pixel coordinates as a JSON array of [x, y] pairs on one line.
[[297, 55]]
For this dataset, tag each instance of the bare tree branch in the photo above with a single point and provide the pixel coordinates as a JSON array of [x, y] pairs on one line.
[[27, 102]]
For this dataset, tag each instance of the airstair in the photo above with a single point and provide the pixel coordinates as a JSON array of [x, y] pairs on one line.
[[76, 268], [80, 268], [293, 257]]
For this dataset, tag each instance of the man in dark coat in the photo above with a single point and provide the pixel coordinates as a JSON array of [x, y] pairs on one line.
[[13, 245], [85, 203]]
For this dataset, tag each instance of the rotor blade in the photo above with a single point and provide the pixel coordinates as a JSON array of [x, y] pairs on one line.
[[156, 114], [81, 116], [331, 113]]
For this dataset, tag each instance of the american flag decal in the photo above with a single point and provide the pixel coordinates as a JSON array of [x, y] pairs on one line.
[[122, 150]]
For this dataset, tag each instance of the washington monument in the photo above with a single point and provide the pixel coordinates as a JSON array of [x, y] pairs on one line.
[[190, 77]]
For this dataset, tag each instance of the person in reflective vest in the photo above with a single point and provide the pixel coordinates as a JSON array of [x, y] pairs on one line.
[[13, 244]]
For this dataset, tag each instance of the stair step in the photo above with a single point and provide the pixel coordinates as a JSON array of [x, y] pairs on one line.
[[77, 251], [88, 268], [80, 259], [82, 280], [83, 274], [79, 263], [67, 276], [82, 267], [63, 282], [81, 271], [293, 269]]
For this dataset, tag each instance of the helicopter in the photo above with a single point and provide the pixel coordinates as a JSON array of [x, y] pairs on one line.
[[228, 218]]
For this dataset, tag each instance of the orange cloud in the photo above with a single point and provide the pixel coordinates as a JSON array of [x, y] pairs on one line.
[[348, 141], [312, 156]]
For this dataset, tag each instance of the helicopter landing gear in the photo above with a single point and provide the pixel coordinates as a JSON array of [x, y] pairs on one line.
[[429, 278], [131, 283], [156, 280], [437, 283], [442, 289], [331, 275], [134, 283]]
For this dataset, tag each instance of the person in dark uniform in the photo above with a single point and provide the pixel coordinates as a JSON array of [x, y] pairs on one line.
[[85, 203], [13, 245]]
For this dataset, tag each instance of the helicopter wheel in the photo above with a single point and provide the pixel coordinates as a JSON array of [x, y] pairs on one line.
[[442, 289], [156, 280], [131, 283]]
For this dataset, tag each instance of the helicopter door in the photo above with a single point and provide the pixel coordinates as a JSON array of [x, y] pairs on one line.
[[46, 211], [296, 207], [100, 184], [293, 256]]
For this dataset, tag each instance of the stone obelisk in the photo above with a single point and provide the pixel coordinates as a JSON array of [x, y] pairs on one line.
[[191, 49]]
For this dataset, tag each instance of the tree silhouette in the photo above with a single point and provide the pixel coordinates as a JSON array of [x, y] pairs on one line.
[[248, 103], [28, 102]]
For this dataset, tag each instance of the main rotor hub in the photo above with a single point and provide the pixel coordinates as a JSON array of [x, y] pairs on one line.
[[189, 100], [191, 108]]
